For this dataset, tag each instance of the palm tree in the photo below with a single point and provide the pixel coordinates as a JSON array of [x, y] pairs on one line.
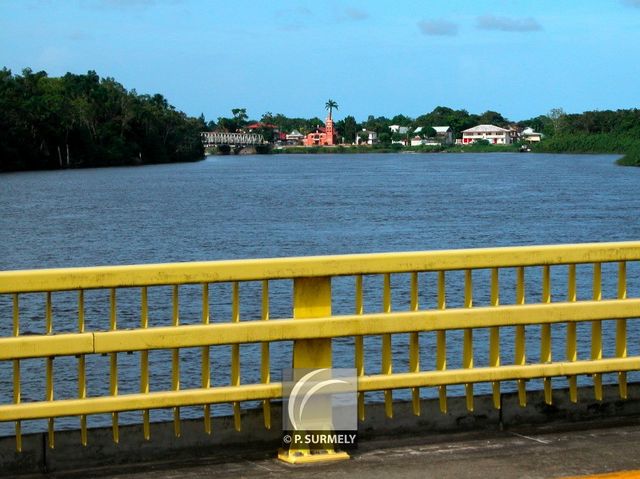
[[330, 105]]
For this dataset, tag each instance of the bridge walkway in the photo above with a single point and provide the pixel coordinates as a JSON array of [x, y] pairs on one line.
[[557, 451]]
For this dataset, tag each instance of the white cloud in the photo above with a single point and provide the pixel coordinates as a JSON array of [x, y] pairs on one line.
[[356, 14], [126, 3], [78, 36], [295, 12], [293, 19], [134, 3], [438, 28], [507, 24]]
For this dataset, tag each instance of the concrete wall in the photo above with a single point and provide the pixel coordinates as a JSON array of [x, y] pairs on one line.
[[254, 441]]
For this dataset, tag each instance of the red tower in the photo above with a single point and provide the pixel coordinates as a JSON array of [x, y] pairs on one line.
[[323, 136], [330, 138]]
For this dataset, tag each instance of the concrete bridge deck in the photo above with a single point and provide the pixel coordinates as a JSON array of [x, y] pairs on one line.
[[559, 450]]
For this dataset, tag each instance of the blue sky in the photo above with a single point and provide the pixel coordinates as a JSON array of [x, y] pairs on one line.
[[519, 57]]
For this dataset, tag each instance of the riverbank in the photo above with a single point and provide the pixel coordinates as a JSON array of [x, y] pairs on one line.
[[601, 143], [631, 157], [583, 144], [630, 148], [352, 149]]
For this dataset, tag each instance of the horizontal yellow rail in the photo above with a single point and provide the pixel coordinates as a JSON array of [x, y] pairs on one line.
[[501, 373], [22, 347], [311, 266], [133, 402], [252, 392]]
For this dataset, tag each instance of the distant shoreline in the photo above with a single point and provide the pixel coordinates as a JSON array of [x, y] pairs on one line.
[[630, 154], [627, 159], [349, 149]]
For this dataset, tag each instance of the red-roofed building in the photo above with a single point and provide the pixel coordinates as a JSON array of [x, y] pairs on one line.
[[256, 126], [323, 136]]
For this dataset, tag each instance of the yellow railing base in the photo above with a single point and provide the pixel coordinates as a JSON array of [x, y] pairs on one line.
[[298, 457]]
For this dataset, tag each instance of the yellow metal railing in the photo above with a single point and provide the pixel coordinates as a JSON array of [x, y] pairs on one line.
[[312, 327]]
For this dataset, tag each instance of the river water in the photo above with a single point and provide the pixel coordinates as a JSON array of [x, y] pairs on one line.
[[229, 207], [262, 206]]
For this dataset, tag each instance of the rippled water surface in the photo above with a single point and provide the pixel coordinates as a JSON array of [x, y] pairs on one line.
[[266, 206], [262, 206]]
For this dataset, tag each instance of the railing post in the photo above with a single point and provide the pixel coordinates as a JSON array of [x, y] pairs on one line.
[[311, 299]]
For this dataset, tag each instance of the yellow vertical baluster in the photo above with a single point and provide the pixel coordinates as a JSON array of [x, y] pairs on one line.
[[265, 373], [113, 381], [206, 371], [16, 369], [359, 360], [235, 352], [414, 346], [494, 336], [175, 360], [467, 356], [82, 376], [596, 330], [144, 362], [49, 366], [441, 342], [520, 353], [387, 367], [572, 346], [545, 332], [621, 328]]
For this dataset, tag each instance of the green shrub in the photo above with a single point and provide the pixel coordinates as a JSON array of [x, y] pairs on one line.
[[632, 158]]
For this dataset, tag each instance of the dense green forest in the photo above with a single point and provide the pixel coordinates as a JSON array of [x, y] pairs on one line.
[[604, 131], [85, 120]]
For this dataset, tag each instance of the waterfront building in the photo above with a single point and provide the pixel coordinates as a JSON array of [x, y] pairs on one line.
[[367, 137], [261, 126], [515, 133], [403, 130], [531, 136], [322, 136], [417, 141], [444, 136], [493, 134], [294, 138]]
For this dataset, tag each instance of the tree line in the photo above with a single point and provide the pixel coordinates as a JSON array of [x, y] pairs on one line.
[[85, 120], [556, 123], [348, 127], [605, 131]]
